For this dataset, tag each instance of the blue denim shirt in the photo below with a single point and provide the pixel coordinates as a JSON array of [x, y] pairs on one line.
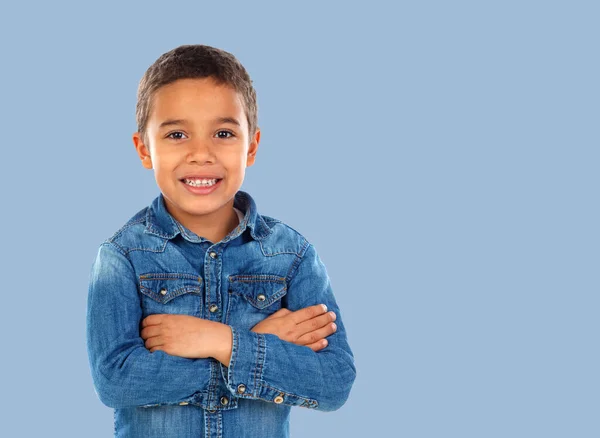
[[154, 264]]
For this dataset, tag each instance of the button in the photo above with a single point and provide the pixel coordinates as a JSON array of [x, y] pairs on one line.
[[213, 308], [163, 291], [212, 411], [213, 254], [183, 403], [224, 400], [241, 388], [261, 297], [278, 399]]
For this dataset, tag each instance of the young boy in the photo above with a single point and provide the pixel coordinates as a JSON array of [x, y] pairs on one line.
[[204, 317]]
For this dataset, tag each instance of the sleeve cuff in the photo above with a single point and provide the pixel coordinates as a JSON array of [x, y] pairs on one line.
[[243, 377]]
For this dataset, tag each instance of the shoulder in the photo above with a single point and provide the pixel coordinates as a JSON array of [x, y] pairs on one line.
[[131, 234], [283, 235]]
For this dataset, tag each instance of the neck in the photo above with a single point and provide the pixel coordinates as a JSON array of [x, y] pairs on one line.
[[213, 227]]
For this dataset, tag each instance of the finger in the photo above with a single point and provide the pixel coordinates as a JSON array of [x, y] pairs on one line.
[[316, 346], [317, 335], [315, 323], [308, 312], [149, 331], [154, 341], [153, 319]]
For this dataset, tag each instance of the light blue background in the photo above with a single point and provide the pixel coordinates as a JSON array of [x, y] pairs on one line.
[[442, 157]]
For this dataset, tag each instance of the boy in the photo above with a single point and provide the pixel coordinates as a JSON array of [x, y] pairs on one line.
[[206, 318]]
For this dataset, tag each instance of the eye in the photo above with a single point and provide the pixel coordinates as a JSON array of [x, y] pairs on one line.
[[175, 133], [227, 132]]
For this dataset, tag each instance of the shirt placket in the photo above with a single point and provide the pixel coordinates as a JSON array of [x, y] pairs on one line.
[[219, 396]]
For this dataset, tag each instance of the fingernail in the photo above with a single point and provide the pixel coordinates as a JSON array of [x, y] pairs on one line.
[[324, 307]]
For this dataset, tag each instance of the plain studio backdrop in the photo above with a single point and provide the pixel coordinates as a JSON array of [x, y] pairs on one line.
[[441, 156]]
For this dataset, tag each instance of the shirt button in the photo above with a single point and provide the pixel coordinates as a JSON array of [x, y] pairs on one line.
[[213, 308], [212, 411], [241, 388], [183, 403], [213, 254], [163, 291], [224, 400], [278, 399], [261, 297]]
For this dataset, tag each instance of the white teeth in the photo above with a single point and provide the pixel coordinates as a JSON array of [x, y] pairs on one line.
[[200, 182]]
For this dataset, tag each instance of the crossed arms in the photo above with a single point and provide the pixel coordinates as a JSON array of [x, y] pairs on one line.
[[168, 360]]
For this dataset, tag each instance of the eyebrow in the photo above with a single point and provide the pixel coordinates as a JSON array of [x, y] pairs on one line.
[[218, 120]]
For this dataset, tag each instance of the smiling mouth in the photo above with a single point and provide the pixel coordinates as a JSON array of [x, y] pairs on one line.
[[193, 184]]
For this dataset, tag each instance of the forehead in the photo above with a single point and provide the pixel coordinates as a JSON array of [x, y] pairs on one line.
[[196, 99]]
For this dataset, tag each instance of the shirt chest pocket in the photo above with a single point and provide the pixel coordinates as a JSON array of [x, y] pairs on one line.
[[253, 297], [173, 293]]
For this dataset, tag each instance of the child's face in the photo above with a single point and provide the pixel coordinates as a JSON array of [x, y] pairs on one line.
[[185, 137]]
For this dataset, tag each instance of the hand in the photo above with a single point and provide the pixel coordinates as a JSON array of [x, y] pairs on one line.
[[308, 326], [179, 335]]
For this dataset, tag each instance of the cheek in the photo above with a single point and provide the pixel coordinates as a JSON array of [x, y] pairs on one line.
[[236, 167], [165, 164]]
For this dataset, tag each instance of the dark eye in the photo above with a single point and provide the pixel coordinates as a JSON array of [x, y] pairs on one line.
[[175, 133], [226, 132]]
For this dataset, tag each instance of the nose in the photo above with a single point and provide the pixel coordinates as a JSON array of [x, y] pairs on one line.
[[200, 150]]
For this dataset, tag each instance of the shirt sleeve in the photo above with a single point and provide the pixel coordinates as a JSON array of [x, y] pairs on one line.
[[263, 366], [124, 372]]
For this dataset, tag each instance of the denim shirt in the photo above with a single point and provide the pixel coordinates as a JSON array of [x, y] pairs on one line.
[[154, 264]]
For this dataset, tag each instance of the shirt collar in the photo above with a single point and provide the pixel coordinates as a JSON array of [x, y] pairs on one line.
[[162, 224]]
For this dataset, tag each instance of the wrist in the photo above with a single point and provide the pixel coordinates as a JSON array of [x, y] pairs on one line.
[[223, 343]]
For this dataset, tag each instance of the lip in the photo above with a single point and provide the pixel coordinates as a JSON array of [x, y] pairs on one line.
[[198, 176]]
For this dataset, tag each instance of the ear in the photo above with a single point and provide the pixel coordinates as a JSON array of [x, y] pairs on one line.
[[142, 150], [253, 148]]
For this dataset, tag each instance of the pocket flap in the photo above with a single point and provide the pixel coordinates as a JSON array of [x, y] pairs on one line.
[[164, 286], [261, 290]]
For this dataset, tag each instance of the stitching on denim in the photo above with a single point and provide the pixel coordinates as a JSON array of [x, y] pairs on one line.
[[228, 306], [162, 236], [264, 230], [171, 295], [219, 283], [249, 278], [176, 284], [291, 394], [207, 282], [298, 234], [266, 254], [276, 297], [294, 268], [152, 229], [233, 360], [118, 247], [219, 425], [262, 351], [268, 279], [169, 276], [149, 249], [124, 227], [187, 235], [258, 335], [271, 221], [214, 378]]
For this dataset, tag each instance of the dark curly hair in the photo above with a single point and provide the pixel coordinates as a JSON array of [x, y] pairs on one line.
[[196, 61]]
